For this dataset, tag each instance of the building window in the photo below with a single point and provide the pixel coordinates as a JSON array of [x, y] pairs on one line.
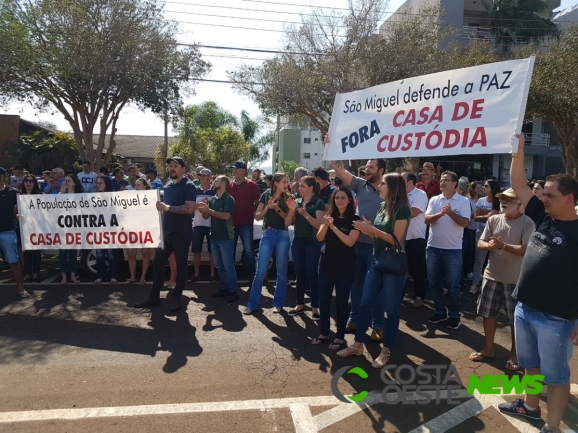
[[316, 138], [306, 156], [307, 140]]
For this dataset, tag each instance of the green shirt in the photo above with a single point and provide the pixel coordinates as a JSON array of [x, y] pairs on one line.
[[222, 230], [383, 223], [302, 227], [272, 218]]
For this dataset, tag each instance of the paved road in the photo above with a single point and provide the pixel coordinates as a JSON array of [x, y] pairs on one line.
[[77, 358]]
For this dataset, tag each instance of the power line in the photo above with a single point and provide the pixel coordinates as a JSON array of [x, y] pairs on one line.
[[234, 18]]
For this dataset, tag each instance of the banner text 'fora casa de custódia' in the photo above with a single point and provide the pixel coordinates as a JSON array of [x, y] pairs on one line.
[[126, 219], [465, 111]]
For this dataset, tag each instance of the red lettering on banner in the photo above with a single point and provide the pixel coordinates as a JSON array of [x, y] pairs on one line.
[[432, 140], [45, 239]]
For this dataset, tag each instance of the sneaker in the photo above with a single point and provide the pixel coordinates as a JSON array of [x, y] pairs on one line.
[[437, 318], [470, 276], [294, 312], [376, 335], [248, 310], [277, 310], [149, 301], [220, 294], [24, 294], [98, 281], [175, 304], [453, 323], [417, 302], [519, 409], [232, 297], [113, 281], [170, 284], [193, 279], [550, 430], [474, 290], [315, 317]]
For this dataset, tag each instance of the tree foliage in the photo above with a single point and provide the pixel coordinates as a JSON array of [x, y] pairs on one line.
[[216, 149], [554, 94], [289, 167], [89, 58], [38, 152], [259, 135], [333, 52]]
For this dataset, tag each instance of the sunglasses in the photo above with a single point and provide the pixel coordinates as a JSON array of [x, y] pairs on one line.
[[28, 180]]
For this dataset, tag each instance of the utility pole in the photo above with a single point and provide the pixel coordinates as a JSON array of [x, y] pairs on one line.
[[166, 144]]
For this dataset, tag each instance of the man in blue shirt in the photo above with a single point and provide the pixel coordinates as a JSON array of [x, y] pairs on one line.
[[156, 183], [177, 207]]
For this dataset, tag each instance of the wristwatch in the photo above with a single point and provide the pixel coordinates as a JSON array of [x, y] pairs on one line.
[[503, 246]]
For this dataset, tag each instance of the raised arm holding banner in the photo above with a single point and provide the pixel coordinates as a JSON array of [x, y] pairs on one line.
[[464, 111]]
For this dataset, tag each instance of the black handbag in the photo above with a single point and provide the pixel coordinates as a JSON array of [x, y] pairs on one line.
[[392, 260]]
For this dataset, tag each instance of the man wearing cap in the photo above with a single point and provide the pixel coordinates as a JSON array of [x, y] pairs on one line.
[[428, 184], [8, 237], [55, 184], [246, 194], [202, 226], [17, 176], [177, 207], [153, 179], [197, 173], [546, 316], [505, 236]]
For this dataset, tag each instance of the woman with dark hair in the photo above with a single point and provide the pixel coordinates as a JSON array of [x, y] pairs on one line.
[[309, 211], [140, 185], [485, 208], [68, 258], [104, 184], [32, 258], [337, 265], [391, 222], [273, 209], [538, 188], [475, 190]]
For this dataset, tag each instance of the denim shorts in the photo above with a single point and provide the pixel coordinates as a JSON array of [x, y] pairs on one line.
[[199, 234], [543, 341], [9, 246]]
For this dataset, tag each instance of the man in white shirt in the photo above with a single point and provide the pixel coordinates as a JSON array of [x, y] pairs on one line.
[[447, 214], [87, 177], [202, 226], [415, 242]]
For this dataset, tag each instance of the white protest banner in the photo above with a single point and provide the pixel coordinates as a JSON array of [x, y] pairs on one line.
[[465, 111], [126, 219]]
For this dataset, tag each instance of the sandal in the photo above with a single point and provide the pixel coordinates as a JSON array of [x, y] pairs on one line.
[[478, 357], [319, 340], [381, 360], [27, 277], [63, 281], [142, 282], [74, 280], [512, 365], [130, 281], [350, 351], [24, 294], [337, 344]]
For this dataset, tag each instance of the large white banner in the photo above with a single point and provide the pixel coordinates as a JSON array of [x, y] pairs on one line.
[[126, 219], [465, 111]]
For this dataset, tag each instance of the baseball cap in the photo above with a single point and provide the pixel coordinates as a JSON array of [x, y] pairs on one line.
[[428, 165], [3, 171], [205, 172], [199, 169], [239, 164], [178, 160], [507, 193]]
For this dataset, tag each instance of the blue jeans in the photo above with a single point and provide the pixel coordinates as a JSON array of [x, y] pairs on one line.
[[444, 270], [379, 286], [223, 258], [342, 285], [67, 261], [277, 241], [245, 232], [101, 257], [543, 341], [306, 252], [364, 262]]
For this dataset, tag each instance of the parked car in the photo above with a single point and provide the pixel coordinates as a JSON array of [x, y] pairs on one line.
[[88, 257]]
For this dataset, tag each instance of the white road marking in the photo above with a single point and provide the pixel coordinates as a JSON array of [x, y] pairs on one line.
[[51, 279], [302, 418]]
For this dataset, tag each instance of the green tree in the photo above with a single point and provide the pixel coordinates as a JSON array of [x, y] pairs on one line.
[[554, 97], [289, 168], [258, 134], [207, 115], [38, 152], [216, 149], [89, 58]]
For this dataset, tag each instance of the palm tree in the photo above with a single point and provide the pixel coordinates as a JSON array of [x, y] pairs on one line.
[[515, 21], [259, 140]]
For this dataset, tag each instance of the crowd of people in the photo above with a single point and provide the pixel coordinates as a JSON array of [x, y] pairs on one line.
[[519, 246]]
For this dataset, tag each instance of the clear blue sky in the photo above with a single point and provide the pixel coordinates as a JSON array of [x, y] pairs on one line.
[[251, 24]]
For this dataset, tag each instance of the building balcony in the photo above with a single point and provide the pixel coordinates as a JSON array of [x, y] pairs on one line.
[[539, 145]]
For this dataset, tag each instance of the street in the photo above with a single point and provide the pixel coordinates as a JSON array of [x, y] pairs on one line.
[[77, 358]]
